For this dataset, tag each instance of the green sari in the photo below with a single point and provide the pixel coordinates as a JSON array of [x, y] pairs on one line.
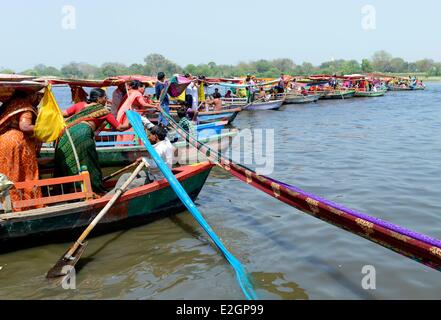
[[83, 138]]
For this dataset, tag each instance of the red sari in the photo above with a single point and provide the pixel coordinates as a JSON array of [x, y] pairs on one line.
[[18, 151]]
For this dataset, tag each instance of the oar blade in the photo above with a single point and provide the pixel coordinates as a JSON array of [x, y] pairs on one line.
[[64, 265]]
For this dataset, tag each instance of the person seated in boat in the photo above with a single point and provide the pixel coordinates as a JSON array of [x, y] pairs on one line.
[[304, 91], [214, 103], [184, 122], [281, 84], [18, 147], [216, 94], [164, 148], [262, 96], [229, 94], [81, 129]]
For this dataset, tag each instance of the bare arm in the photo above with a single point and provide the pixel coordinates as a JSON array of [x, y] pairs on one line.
[[25, 123]]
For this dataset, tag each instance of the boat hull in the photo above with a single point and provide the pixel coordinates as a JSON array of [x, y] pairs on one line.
[[299, 99], [137, 206], [339, 95], [368, 94], [269, 105], [119, 156], [213, 116]]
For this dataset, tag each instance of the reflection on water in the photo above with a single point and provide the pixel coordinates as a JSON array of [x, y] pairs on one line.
[[381, 156]]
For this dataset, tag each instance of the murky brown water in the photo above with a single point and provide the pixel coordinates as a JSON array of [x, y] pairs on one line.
[[381, 156]]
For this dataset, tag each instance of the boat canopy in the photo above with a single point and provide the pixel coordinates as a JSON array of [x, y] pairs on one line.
[[8, 88]]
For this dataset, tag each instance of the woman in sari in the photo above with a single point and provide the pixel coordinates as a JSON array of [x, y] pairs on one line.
[[134, 101], [18, 149], [88, 118]]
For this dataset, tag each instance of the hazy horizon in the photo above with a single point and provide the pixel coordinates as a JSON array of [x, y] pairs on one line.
[[200, 31]]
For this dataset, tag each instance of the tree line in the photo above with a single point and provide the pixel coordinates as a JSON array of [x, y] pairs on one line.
[[381, 61]]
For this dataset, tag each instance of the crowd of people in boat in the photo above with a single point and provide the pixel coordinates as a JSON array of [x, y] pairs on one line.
[[76, 145]]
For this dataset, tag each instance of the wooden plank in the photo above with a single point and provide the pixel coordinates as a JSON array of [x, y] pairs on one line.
[[51, 200]]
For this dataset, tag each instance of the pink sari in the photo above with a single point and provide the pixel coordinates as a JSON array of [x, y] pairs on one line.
[[121, 115]]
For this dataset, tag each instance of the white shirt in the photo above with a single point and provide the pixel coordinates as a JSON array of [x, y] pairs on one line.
[[165, 150], [193, 91]]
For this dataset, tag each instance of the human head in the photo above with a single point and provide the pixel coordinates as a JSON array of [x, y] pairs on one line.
[[97, 95], [182, 112], [137, 85], [122, 87], [157, 134], [161, 76]]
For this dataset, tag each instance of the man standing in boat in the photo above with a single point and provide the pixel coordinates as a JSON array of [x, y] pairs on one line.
[[165, 104], [250, 88]]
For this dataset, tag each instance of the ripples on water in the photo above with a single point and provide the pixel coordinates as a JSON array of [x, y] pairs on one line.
[[381, 156]]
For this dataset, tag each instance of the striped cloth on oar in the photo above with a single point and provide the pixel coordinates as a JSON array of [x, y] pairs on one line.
[[419, 247]]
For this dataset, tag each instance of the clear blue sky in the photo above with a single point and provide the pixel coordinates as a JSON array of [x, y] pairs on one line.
[[228, 31]]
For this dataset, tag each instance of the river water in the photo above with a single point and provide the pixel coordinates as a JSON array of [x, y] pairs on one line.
[[380, 156]]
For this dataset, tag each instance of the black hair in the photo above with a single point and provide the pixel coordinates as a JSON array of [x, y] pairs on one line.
[[217, 95], [187, 75], [136, 84], [160, 132], [95, 94], [188, 100], [182, 112], [161, 76]]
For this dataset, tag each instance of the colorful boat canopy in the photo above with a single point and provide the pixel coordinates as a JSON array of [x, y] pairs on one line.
[[234, 85], [15, 77], [175, 86], [108, 82], [8, 88]]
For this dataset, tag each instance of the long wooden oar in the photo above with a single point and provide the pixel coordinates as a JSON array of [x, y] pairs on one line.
[[130, 166], [135, 120], [71, 257]]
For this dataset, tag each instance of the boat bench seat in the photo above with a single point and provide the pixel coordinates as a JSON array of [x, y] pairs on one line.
[[80, 193]]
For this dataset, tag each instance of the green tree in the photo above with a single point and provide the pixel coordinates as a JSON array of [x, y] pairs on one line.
[[136, 68], [381, 61], [398, 65], [350, 67], [111, 69], [156, 63], [7, 71], [285, 65], [366, 65], [424, 65]]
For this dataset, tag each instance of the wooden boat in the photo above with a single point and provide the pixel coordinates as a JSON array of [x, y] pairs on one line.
[[299, 98], [236, 102], [399, 88], [378, 93], [339, 94], [228, 114], [118, 154], [265, 105], [68, 213]]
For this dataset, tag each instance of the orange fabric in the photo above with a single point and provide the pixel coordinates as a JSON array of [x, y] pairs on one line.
[[18, 151]]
